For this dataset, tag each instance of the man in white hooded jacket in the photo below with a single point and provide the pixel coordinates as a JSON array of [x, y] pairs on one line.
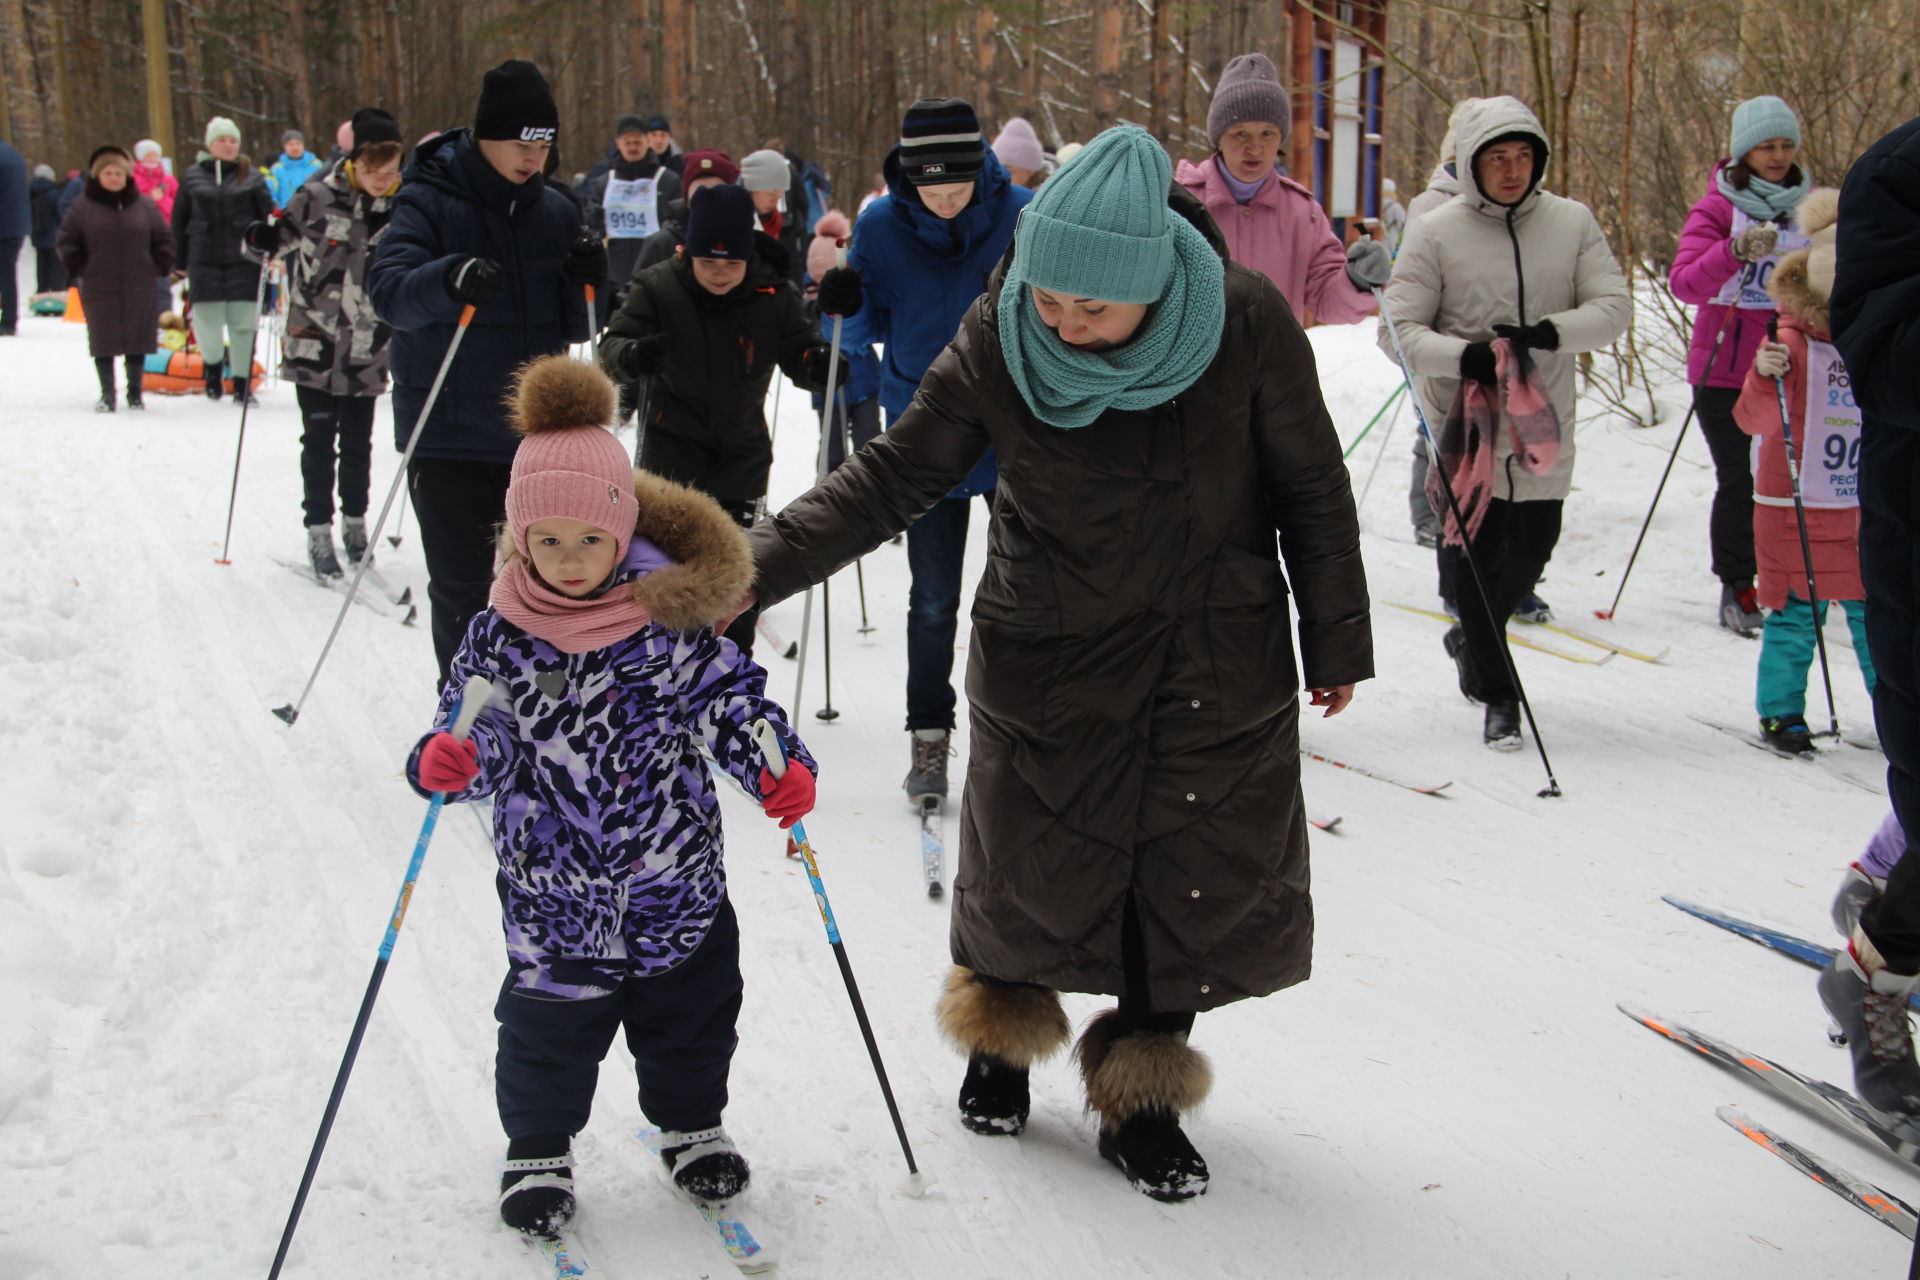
[[1503, 259]]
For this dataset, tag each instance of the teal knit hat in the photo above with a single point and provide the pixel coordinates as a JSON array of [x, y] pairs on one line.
[[1098, 228], [1756, 120]]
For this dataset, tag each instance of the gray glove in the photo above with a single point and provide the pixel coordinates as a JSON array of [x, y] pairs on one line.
[[1369, 265], [1756, 242]]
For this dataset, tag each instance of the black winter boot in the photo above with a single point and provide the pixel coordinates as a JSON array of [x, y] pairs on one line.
[[1502, 727], [242, 393], [213, 373], [1788, 734], [536, 1187], [1139, 1083], [1455, 643], [1003, 1028], [704, 1164]]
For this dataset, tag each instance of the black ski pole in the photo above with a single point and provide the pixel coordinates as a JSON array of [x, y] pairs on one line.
[[828, 712], [246, 403], [1806, 546], [776, 760], [473, 700], [1498, 625], [1661, 488], [291, 712], [859, 565]]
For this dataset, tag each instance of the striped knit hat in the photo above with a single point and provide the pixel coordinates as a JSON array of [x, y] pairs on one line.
[[940, 142]]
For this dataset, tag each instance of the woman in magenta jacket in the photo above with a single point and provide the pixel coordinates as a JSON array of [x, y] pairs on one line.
[[1733, 237]]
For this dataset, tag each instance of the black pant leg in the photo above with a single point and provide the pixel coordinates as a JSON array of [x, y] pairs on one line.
[[1136, 1013], [354, 417], [1890, 564], [320, 421], [548, 1059], [459, 503], [680, 1028], [103, 370], [136, 376], [1730, 528], [1511, 550]]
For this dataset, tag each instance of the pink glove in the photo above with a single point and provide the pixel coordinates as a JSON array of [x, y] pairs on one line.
[[448, 764], [791, 798]]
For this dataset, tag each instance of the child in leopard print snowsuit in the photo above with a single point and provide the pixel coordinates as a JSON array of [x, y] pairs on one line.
[[608, 681]]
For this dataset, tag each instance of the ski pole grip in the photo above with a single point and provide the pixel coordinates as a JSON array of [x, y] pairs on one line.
[[770, 748], [466, 315], [473, 700], [840, 252], [1773, 328]]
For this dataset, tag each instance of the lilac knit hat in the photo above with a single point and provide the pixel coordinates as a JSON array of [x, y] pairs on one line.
[[568, 464], [1249, 90]]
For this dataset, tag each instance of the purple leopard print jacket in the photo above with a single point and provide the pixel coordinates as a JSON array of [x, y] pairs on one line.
[[606, 821]]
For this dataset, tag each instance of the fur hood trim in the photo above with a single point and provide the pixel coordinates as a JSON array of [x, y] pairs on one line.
[[712, 566], [1792, 285]]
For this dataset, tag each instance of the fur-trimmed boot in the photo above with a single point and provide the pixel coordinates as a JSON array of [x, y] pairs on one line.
[[1003, 1028], [1140, 1083]]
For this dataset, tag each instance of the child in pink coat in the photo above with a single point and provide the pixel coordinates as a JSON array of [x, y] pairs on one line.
[[1826, 444]]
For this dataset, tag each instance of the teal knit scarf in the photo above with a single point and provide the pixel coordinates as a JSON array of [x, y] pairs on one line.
[[1767, 201], [1066, 387]]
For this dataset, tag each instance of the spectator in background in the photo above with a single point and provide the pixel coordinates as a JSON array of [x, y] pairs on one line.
[[295, 168], [1018, 148], [44, 195], [114, 243], [16, 224], [156, 184], [219, 198]]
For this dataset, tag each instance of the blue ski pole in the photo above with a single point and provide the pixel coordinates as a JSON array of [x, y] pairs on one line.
[[473, 700], [776, 758]]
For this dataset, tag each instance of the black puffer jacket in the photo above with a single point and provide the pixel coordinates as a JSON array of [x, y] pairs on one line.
[[1131, 677], [215, 205], [704, 424]]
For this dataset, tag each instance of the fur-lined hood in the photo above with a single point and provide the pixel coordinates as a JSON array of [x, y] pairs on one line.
[[1793, 285], [709, 566]]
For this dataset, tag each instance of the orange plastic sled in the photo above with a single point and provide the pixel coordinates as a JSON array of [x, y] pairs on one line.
[[182, 373]]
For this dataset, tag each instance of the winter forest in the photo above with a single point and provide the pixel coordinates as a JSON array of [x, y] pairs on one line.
[[527, 454]]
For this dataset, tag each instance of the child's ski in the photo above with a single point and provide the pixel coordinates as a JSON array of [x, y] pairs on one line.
[[562, 1256], [383, 604], [1850, 1187], [745, 1247], [933, 846], [1598, 642]]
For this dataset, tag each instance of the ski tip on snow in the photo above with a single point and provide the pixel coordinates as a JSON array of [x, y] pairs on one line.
[[560, 1253]]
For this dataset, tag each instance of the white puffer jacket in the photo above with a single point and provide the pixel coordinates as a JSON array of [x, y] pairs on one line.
[[1472, 264]]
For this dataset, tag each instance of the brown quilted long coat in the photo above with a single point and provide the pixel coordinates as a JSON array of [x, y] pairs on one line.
[[1131, 674]]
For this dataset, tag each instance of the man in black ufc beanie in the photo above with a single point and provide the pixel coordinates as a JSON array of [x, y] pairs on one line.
[[475, 225]]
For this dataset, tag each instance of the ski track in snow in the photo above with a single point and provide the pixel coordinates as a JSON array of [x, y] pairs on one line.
[[192, 895]]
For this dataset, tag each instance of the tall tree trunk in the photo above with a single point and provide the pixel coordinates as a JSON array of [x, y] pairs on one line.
[[302, 76], [1108, 25], [639, 39], [676, 56], [27, 119], [799, 113], [1030, 73], [986, 50]]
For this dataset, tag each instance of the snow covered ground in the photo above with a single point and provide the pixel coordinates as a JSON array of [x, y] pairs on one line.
[[193, 893]]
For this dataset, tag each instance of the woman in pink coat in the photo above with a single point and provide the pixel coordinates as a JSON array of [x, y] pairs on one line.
[[1272, 223], [1732, 241], [1826, 439]]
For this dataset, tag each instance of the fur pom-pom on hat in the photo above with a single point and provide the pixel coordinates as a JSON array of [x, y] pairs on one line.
[[555, 392]]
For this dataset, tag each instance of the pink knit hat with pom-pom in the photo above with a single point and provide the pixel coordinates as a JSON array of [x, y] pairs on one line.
[[832, 228], [568, 464]]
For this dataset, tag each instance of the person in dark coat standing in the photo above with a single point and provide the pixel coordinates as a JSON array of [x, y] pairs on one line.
[[219, 198], [16, 224], [1132, 823], [336, 345], [43, 193], [114, 242], [709, 327], [1875, 308], [475, 224]]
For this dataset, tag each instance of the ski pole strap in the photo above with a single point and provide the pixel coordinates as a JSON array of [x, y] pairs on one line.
[[775, 756]]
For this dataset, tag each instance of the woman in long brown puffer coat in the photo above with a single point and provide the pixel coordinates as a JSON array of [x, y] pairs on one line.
[[1133, 824], [114, 243]]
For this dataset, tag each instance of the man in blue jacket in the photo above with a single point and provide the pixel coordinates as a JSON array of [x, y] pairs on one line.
[[296, 167], [16, 222], [921, 255], [475, 225]]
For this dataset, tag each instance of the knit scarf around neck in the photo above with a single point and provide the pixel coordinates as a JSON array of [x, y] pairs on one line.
[[569, 625], [1066, 387], [1764, 200]]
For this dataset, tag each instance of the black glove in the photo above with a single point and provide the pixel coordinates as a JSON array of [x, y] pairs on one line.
[[587, 260], [1476, 362], [475, 280], [815, 362], [262, 237], [840, 292], [644, 357], [1530, 337]]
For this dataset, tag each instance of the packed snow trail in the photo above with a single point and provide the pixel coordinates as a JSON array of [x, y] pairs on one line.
[[190, 891]]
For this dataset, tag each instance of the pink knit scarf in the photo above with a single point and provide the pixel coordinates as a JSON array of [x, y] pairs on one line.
[[569, 625], [1469, 438]]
